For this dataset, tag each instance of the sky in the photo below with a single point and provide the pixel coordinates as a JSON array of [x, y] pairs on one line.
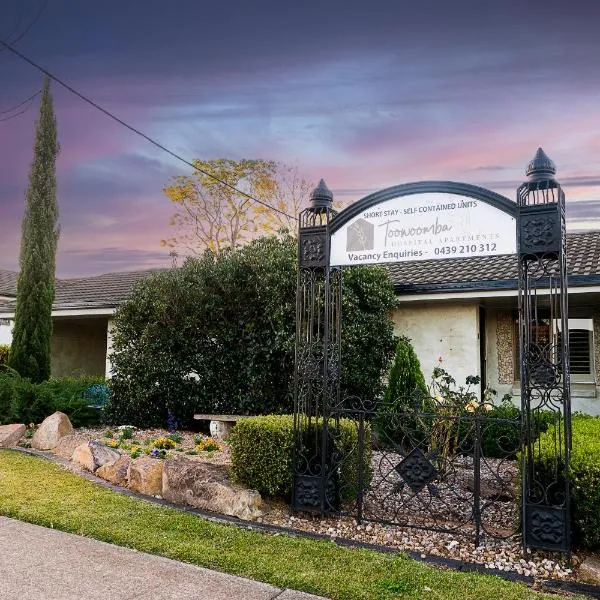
[[364, 94]]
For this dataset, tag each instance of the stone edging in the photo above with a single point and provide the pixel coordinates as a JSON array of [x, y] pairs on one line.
[[551, 585]]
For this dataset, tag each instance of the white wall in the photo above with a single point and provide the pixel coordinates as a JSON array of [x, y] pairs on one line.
[[109, 347], [450, 331], [6, 333]]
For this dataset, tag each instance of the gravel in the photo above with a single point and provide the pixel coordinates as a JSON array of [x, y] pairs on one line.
[[499, 517]]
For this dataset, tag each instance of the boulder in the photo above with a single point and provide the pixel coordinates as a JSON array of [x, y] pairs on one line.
[[589, 570], [92, 455], [115, 472], [10, 435], [207, 486], [50, 431], [145, 475], [66, 445], [491, 486]]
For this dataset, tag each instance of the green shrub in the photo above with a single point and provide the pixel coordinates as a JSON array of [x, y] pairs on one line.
[[4, 352], [585, 477], [217, 336], [262, 454], [78, 397], [7, 395], [31, 403], [24, 402], [406, 392]]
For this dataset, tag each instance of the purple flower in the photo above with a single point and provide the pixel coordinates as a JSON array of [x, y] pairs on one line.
[[155, 452]]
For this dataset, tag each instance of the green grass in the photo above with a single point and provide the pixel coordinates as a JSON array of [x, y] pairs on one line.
[[37, 491]]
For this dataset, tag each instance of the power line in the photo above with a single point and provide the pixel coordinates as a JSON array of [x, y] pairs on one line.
[[30, 99], [140, 133], [9, 118], [31, 23]]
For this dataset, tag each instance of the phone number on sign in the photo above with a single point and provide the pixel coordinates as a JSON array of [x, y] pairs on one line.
[[465, 249]]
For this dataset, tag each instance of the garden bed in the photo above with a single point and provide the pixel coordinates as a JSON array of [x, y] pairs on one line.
[[504, 555]]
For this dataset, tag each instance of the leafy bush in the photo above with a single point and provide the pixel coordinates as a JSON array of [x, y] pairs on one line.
[[217, 336], [4, 352], [25, 402], [31, 403], [7, 395], [262, 454], [80, 398], [585, 477]]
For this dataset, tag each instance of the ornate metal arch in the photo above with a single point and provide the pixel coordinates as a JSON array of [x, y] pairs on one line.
[[539, 213]]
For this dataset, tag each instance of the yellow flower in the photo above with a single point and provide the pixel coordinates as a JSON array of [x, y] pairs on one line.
[[472, 406]]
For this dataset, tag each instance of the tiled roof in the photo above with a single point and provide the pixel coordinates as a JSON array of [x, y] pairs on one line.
[[107, 290], [8, 283], [101, 291], [583, 266], [490, 272]]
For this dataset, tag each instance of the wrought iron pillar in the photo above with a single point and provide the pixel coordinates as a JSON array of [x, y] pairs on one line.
[[544, 358], [317, 369]]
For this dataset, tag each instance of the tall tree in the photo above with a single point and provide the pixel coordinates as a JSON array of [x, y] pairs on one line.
[[213, 216], [30, 350]]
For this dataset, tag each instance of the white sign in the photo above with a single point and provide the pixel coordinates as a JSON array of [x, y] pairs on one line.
[[424, 227]]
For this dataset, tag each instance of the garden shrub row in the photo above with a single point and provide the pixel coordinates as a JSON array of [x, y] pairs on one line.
[[585, 477], [262, 454], [500, 429], [24, 402]]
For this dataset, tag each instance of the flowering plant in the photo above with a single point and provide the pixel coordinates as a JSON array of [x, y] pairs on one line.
[[451, 401], [209, 445], [164, 443]]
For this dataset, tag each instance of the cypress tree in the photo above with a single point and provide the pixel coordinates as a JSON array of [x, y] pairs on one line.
[[398, 421], [406, 379], [30, 349]]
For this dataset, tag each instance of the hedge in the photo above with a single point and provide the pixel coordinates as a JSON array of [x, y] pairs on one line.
[[24, 402], [585, 478], [262, 454]]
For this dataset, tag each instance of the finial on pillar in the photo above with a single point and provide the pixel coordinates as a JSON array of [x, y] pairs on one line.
[[541, 167], [321, 198]]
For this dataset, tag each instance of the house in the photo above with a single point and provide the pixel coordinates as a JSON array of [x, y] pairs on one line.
[[461, 310], [465, 311], [82, 319]]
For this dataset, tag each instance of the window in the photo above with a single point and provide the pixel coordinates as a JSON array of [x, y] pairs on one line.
[[581, 346], [5, 322]]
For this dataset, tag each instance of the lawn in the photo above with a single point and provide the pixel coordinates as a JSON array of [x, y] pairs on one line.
[[37, 491]]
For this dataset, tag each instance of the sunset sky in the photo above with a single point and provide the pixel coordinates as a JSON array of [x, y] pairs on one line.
[[364, 94]]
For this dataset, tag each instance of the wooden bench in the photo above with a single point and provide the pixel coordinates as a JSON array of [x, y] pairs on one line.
[[220, 425]]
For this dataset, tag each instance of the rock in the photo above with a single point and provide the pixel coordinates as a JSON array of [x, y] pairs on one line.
[[145, 475], [92, 455], [66, 445], [11, 434], [115, 472], [207, 486], [589, 569], [51, 430], [491, 487]]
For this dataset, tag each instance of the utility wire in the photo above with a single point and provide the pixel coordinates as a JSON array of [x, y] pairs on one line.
[[9, 118], [30, 99], [10, 48], [31, 23]]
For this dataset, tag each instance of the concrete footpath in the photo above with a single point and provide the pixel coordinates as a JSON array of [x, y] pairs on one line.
[[37, 563]]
